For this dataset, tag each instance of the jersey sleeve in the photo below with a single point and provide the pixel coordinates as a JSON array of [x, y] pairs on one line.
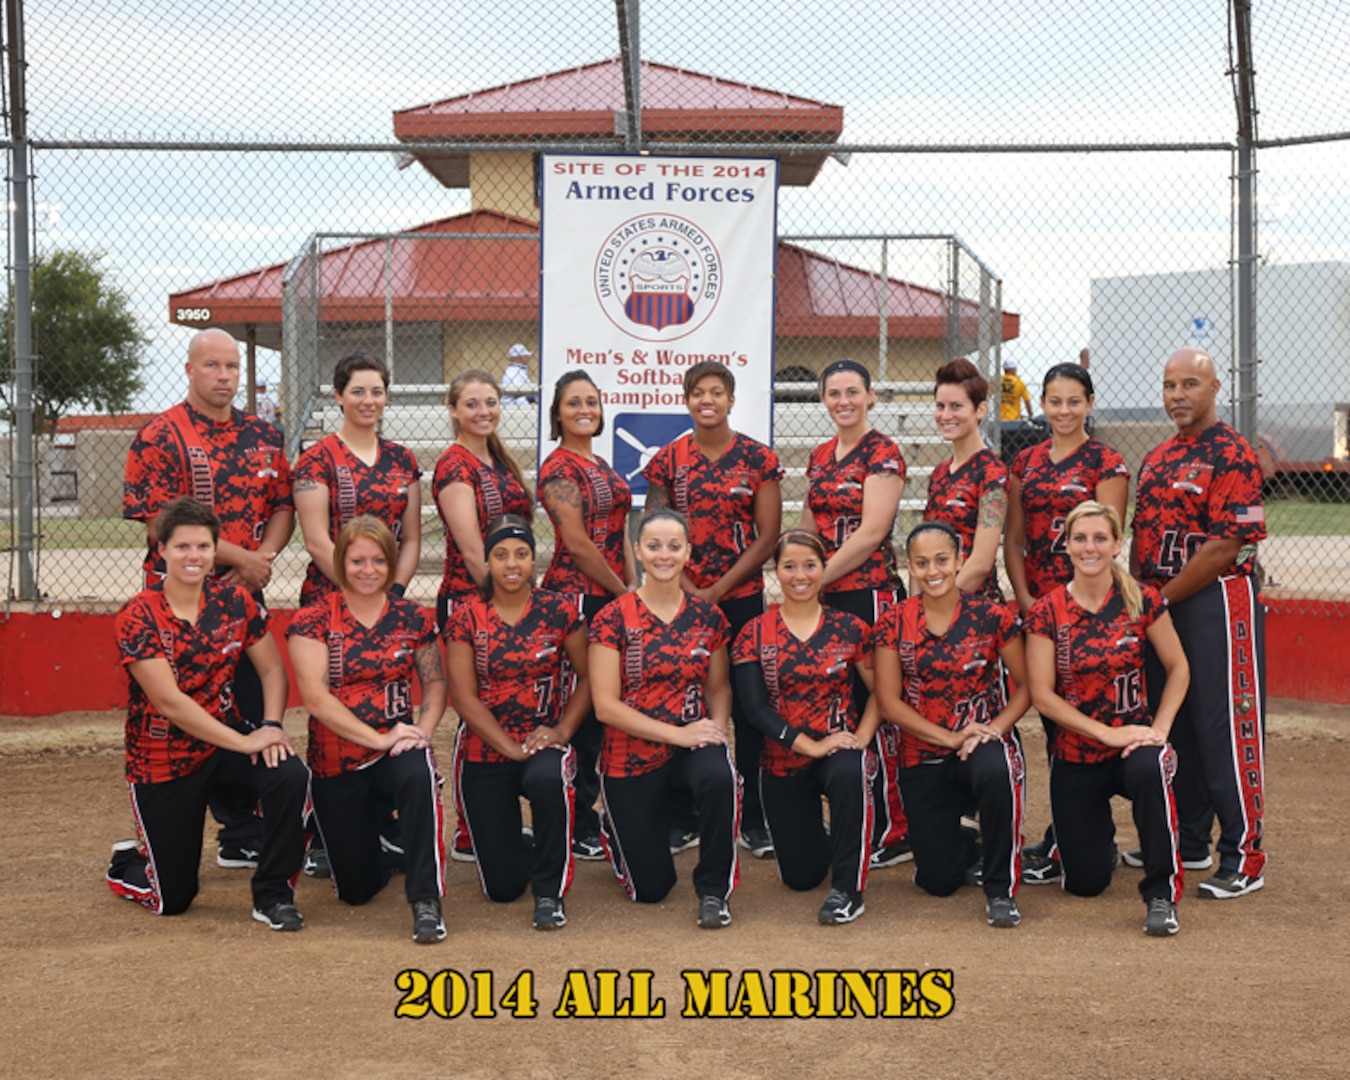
[[661, 468], [1236, 510], [255, 618], [1111, 464], [460, 628], [1153, 607], [883, 458], [1009, 625], [746, 646], [885, 633], [452, 468], [315, 465], [137, 636], [607, 627], [770, 468], [1040, 619], [280, 497], [310, 622], [722, 627], [405, 459], [153, 476]]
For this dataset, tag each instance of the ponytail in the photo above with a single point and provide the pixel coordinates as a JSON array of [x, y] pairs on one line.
[[496, 448]]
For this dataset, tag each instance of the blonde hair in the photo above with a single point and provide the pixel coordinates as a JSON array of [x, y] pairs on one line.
[[496, 447], [1129, 588], [367, 528]]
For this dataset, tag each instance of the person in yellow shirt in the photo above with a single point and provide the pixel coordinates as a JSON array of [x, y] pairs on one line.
[[1013, 394]]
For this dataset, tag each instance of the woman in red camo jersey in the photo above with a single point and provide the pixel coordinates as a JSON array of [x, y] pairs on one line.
[[793, 666], [658, 664], [476, 481], [939, 658], [354, 472], [854, 484], [588, 503], [509, 651], [970, 490], [1046, 482], [1085, 659], [355, 653]]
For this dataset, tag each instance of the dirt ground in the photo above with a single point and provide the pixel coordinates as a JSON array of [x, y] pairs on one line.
[[94, 986]]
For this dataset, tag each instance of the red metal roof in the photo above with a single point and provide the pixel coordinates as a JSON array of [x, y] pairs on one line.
[[70, 425], [473, 277]]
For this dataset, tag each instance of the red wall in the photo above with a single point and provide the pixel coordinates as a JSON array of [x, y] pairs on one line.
[[51, 664]]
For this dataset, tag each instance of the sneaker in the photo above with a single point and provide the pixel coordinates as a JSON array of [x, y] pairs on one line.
[[1161, 920], [316, 863], [236, 858], [393, 847], [588, 848], [1001, 911], [1041, 871], [462, 850], [428, 926], [280, 917], [1227, 884], [549, 913], [1039, 850], [975, 874], [713, 913], [680, 839], [125, 854], [756, 841], [1136, 859], [840, 907], [892, 855]]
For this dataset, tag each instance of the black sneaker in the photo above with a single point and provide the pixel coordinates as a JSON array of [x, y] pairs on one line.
[[1161, 920], [462, 850], [975, 874], [428, 926], [1227, 884], [892, 855], [316, 862], [840, 907], [280, 917], [233, 857], [756, 841], [680, 839], [713, 913], [1136, 859], [588, 848], [1041, 871], [1039, 850], [549, 913], [1001, 911]]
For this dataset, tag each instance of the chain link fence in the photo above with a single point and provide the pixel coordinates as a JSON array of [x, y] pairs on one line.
[[1006, 184]]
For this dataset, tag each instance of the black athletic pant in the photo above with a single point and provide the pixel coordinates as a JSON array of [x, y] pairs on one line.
[[792, 806], [507, 861], [749, 740], [349, 809], [1080, 800], [170, 815], [636, 832], [236, 808], [586, 741], [937, 793]]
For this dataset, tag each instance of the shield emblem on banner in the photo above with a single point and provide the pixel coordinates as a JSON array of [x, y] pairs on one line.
[[659, 290]]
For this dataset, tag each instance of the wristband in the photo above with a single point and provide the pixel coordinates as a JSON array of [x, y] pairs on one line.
[[270, 723], [397, 589]]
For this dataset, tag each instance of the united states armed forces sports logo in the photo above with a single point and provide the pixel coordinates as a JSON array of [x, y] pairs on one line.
[[658, 277]]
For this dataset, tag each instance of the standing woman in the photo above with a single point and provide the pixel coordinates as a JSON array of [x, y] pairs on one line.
[[853, 487], [658, 666], [355, 653], [507, 650], [354, 472], [970, 491], [793, 668], [1085, 655], [588, 503], [938, 677], [476, 481]]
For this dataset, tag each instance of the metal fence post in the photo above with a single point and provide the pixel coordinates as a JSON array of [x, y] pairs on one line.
[[1244, 87]]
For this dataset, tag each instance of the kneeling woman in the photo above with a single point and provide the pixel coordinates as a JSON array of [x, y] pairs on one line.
[[355, 653], [938, 678], [793, 667], [506, 649], [1085, 654], [658, 662]]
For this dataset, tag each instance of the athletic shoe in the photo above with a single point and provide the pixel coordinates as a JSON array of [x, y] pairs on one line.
[[280, 917], [756, 841], [975, 874], [713, 913], [892, 855], [1001, 911], [840, 907], [316, 862], [680, 839], [428, 926], [125, 854], [1136, 859], [1227, 884], [1041, 871], [462, 850], [1161, 920], [588, 848], [236, 858], [393, 846], [549, 914], [1040, 850]]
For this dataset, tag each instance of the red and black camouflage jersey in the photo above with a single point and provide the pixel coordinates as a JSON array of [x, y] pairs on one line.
[[1099, 663], [834, 496], [1049, 490], [954, 497], [203, 659], [519, 669], [496, 491], [1193, 489], [810, 683], [664, 669], [355, 488], [605, 502], [237, 468], [370, 670], [717, 498], [950, 679]]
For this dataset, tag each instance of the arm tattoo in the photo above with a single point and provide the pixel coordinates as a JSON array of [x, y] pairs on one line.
[[429, 666], [561, 493], [305, 485], [658, 498], [993, 509]]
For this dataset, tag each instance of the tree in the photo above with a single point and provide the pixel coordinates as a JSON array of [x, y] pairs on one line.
[[86, 339]]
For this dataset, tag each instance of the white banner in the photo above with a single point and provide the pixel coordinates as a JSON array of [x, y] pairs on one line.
[[651, 265]]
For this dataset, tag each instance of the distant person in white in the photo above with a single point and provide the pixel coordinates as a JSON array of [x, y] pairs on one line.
[[267, 404], [516, 377]]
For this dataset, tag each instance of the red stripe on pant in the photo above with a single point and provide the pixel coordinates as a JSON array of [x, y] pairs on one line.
[[1245, 694]]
